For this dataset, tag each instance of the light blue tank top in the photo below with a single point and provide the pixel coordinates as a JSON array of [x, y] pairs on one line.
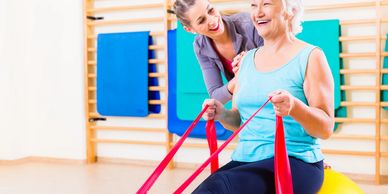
[[257, 138]]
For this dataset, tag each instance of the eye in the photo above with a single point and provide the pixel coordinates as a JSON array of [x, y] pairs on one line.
[[201, 21], [266, 3], [211, 10], [253, 5]]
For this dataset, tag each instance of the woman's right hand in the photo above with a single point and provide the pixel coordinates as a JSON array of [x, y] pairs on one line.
[[236, 62], [214, 111]]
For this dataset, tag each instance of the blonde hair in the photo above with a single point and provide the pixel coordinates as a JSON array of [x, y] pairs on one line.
[[295, 9]]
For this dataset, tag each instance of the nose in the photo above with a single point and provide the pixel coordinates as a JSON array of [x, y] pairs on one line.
[[213, 20], [258, 12]]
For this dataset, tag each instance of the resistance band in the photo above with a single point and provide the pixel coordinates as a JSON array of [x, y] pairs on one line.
[[151, 180], [283, 179], [212, 141]]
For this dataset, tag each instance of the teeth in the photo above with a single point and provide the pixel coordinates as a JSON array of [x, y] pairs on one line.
[[215, 27], [261, 21]]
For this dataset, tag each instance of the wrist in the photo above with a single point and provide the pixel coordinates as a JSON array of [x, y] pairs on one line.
[[223, 114], [229, 88], [292, 106]]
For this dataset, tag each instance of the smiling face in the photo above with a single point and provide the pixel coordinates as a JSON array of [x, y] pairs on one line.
[[269, 17], [204, 19]]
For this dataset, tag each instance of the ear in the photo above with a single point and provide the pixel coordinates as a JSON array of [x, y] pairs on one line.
[[287, 15], [188, 29], [290, 15]]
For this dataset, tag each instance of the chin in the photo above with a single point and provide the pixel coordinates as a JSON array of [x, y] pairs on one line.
[[262, 34], [219, 32], [221, 28]]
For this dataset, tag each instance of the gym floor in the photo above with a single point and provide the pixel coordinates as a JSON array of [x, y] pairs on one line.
[[101, 178]]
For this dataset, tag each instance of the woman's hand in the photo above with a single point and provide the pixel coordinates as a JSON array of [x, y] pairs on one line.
[[236, 62], [282, 101], [231, 85], [214, 111]]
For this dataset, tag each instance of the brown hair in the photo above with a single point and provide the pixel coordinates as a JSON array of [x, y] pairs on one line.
[[180, 9]]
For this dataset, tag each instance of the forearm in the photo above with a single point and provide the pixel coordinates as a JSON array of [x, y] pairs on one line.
[[221, 94], [315, 121], [212, 78], [230, 119]]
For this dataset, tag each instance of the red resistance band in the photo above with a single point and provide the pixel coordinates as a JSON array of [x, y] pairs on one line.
[[212, 141], [283, 179]]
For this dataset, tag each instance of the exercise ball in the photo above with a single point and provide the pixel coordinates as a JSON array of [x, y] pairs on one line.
[[337, 183]]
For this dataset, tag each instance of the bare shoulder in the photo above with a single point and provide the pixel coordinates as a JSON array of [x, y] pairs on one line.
[[317, 66], [317, 60], [317, 54]]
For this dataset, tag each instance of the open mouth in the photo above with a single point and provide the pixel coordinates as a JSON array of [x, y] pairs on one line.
[[215, 28], [262, 22]]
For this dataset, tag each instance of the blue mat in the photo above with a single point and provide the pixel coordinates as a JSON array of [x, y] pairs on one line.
[[328, 41], [175, 125], [384, 93], [122, 74]]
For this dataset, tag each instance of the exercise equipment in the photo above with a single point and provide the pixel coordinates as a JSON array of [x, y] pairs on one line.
[[337, 183], [175, 124], [122, 74]]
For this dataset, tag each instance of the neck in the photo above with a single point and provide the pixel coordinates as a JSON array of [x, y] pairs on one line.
[[275, 43]]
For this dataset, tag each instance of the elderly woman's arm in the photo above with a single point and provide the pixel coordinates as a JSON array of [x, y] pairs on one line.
[[318, 117]]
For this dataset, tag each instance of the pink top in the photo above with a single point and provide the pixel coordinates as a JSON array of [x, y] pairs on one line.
[[225, 62]]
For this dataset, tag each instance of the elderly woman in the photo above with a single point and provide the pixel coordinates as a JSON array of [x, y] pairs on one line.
[[219, 40], [297, 77]]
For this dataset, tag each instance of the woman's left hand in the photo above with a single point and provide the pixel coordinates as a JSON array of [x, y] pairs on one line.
[[282, 101]]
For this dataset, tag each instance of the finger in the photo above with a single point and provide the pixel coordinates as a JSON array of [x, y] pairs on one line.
[[210, 110], [277, 113], [237, 65], [209, 102], [242, 53], [236, 60], [273, 93], [210, 115], [276, 98]]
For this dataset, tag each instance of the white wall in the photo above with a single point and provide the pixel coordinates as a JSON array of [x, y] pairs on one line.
[[14, 136], [42, 79], [42, 100]]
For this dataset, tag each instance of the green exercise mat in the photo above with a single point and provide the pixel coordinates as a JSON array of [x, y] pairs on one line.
[[191, 89]]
